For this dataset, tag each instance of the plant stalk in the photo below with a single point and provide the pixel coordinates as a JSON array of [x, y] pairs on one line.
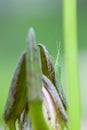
[[70, 42]]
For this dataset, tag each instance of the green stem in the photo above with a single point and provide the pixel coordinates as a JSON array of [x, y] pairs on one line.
[[37, 117], [19, 124], [11, 125], [70, 40]]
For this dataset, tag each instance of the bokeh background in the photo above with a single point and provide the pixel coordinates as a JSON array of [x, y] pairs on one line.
[[16, 16]]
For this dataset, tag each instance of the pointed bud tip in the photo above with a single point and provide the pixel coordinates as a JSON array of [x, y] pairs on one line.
[[31, 36]]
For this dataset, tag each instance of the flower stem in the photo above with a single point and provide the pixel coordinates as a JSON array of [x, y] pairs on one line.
[[37, 118], [70, 41], [11, 125]]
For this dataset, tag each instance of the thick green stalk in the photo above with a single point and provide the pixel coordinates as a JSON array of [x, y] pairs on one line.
[[70, 41], [11, 125], [37, 118]]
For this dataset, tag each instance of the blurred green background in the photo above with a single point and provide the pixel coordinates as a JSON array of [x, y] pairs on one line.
[[16, 16]]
